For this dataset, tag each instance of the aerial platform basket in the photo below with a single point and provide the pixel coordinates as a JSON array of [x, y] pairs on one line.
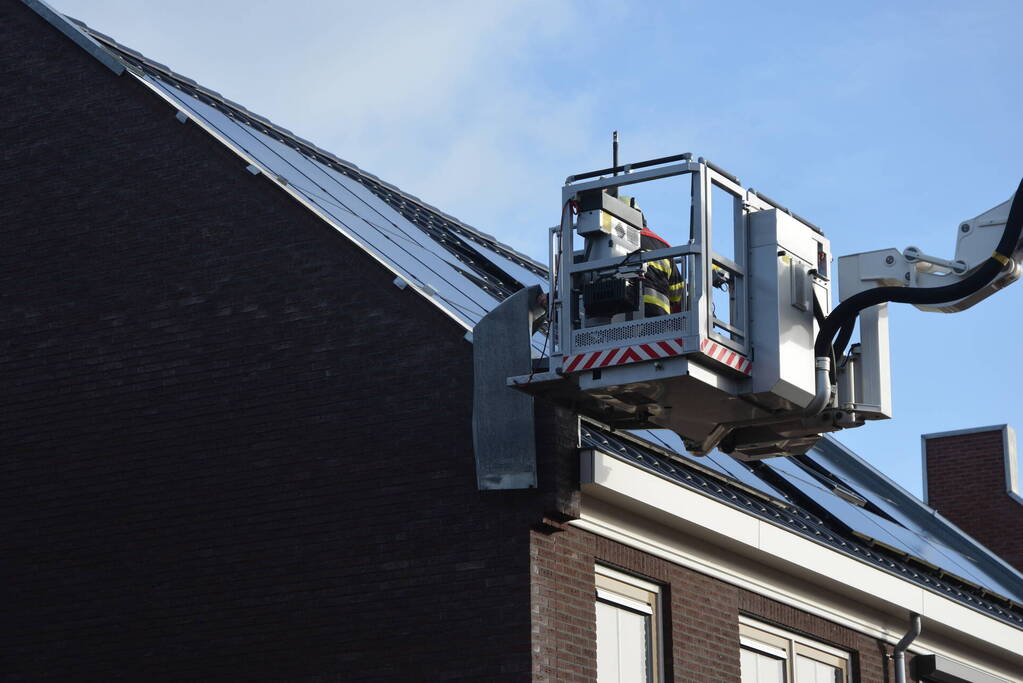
[[731, 364], [720, 327]]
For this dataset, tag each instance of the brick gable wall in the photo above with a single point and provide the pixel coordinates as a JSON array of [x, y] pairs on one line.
[[228, 450]]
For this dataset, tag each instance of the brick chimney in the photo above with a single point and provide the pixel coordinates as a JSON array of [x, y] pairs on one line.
[[970, 478]]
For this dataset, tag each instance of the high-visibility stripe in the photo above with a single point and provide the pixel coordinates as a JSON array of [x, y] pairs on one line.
[[655, 298], [575, 361], [591, 361], [623, 355], [726, 356], [652, 351], [629, 356], [661, 265], [609, 358]]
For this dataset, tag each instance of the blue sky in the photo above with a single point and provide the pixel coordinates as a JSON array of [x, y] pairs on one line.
[[884, 123]]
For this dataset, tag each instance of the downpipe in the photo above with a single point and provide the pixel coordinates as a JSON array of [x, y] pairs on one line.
[[899, 653], [823, 384]]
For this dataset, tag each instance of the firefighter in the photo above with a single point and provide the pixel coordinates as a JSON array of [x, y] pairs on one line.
[[663, 287]]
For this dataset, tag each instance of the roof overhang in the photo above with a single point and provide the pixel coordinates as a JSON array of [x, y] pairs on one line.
[[638, 508]]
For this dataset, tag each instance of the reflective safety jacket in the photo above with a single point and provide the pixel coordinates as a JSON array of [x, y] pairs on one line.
[[663, 289]]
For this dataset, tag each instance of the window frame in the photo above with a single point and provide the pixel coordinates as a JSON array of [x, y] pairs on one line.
[[781, 644], [630, 592]]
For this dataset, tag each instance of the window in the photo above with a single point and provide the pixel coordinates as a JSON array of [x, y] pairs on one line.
[[628, 628], [770, 655]]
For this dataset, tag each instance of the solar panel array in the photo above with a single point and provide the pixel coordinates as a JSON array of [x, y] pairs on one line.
[[828, 495], [462, 270]]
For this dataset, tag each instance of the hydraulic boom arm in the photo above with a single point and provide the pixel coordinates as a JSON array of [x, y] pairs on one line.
[[977, 240]]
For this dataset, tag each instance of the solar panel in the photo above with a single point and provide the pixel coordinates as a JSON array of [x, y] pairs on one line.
[[716, 461], [910, 540], [460, 284], [918, 526]]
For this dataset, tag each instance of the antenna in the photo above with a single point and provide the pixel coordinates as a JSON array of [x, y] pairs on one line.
[[614, 151], [613, 191]]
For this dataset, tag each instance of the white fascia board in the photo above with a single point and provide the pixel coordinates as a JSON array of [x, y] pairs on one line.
[[783, 544], [811, 569]]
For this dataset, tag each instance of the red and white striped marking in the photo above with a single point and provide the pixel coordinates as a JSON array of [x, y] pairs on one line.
[[591, 360], [726, 356]]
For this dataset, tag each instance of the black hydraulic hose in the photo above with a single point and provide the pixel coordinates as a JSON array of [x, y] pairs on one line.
[[818, 314], [838, 348], [847, 311], [844, 335]]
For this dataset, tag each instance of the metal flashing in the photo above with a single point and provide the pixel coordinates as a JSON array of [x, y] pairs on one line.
[[960, 432], [80, 37], [1011, 464]]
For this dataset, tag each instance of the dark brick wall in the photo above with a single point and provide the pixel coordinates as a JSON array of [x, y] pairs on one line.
[[966, 483], [703, 628], [231, 449]]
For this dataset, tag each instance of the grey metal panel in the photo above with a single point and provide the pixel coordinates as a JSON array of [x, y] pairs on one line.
[[504, 440]]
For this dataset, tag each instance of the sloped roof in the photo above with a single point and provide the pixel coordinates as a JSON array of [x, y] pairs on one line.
[[828, 495], [463, 271]]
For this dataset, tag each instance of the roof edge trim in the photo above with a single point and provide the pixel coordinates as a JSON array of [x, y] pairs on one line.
[[82, 39], [962, 432]]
